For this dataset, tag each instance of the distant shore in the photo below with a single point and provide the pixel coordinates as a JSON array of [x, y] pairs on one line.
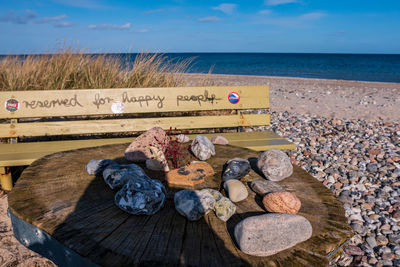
[[323, 97]]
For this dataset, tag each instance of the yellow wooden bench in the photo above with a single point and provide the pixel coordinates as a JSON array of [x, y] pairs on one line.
[[67, 114]]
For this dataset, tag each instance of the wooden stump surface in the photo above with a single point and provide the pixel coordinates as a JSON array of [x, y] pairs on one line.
[[57, 195]]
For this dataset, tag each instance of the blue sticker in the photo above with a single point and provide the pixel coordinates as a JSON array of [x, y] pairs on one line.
[[234, 98]]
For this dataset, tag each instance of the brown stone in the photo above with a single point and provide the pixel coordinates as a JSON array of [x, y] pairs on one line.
[[219, 140], [139, 149], [353, 250], [190, 175], [282, 202]]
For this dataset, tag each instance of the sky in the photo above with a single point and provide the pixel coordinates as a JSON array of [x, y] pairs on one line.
[[271, 26]]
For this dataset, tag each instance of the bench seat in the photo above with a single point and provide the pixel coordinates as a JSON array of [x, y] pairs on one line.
[[25, 153]]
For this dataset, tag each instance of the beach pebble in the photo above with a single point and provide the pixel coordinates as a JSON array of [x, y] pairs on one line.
[[263, 187], [202, 147], [219, 140], [236, 190], [268, 234], [139, 149], [190, 175], [282, 202], [141, 196], [275, 165], [181, 138], [224, 209], [236, 168], [193, 204]]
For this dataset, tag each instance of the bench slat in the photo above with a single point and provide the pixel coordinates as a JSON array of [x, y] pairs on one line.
[[126, 125], [34, 104], [25, 153]]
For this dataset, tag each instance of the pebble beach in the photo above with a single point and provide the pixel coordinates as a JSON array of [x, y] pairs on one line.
[[348, 137]]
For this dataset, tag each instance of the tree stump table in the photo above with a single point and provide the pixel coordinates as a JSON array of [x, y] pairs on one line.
[[69, 216]]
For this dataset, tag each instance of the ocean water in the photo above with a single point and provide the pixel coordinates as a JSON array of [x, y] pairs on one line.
[[360, 67]]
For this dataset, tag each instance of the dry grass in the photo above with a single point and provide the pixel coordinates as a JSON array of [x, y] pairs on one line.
[[76, 70]]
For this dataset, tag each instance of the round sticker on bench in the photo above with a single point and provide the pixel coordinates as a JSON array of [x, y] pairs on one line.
[[11, 105], [234, 98], [117, 107]]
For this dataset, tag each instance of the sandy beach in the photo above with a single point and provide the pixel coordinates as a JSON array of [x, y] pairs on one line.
[[348, 137]]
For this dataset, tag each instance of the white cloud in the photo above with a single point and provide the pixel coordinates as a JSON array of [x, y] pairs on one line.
[[110, 27], [313, 15], [51, 19], [159, 10], [279, 2], [12, 17], [209, 19], [226, 8], [265, 12], [63, 24]]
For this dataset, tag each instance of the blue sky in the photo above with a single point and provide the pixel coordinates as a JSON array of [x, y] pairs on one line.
[[320, 26]]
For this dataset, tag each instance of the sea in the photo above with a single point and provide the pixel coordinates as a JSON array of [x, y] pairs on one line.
[[359, 67]]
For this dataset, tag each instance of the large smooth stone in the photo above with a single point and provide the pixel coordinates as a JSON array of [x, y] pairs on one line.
[[263, 187], [193, 204], [139, 149], [236, 168], [269, 234], [116, 175], [141, 196], [224, 209], [202, 147], [190, 175], [282, 202], [219, 140], [275, 164], [236, 190]]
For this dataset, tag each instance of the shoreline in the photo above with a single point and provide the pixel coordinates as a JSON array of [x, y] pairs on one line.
[[340, 99]]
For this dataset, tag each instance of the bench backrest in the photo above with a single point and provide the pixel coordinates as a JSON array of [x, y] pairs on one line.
[[101, 111]]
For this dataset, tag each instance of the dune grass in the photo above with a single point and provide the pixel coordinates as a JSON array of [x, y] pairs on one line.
[[69, 69]]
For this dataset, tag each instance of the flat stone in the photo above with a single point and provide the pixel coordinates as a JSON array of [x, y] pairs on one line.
[[236, 190], [282, 202], [193, 204], [269, 234], [236, 168], [275, 165], [202, 147], [190, 175], [219, 140], [263, 187], [141, 196], [224, 209], [139, 149]]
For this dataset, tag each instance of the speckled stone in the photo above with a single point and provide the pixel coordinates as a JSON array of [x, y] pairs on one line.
[[282, 202], [268, 234], [275, 165], [224, 209], [141, 196], [193, 204], [263, 187]]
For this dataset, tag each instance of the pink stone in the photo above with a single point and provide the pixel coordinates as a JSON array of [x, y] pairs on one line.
[[219, 140], [139, 149], [353, 250]]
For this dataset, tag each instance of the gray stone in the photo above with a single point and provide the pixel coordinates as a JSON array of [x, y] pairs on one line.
[[263, 187], [224, 209], [236, 168], [96, 167], [275, 165], [394, 238], [236, 190], [117, 176], [141, 196], [372, 167], [371, 241], [269, 234], [202, 147], [193, 204]]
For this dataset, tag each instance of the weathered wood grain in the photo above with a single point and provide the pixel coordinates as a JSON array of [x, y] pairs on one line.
[[57, 195]]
